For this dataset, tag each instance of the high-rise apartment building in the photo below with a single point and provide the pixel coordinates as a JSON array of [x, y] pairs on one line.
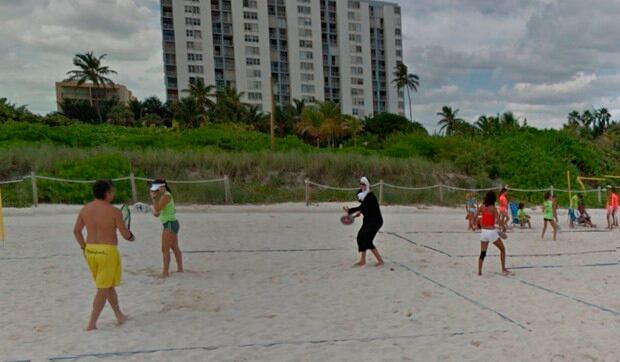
[[316, 50]]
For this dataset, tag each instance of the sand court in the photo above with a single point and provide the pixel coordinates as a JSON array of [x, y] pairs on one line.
[[275, 283]]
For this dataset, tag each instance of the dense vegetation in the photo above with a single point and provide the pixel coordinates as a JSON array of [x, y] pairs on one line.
[[210, 133]]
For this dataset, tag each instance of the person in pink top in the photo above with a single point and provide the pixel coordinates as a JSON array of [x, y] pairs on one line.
[[614, 205], [503, 207]]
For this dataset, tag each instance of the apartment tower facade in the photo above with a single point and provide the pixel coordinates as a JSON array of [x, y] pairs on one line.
[[314, 50]]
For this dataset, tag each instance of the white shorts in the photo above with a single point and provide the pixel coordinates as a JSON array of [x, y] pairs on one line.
[[489, 235]]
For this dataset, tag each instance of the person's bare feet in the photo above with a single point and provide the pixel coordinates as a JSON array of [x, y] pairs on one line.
[[91, 328], [120, 320], [507, 272], [359, 263], [379, 263], [180, 271], [164, 275]]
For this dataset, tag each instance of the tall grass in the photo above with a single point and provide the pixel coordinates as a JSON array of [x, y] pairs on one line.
[[257, 177]]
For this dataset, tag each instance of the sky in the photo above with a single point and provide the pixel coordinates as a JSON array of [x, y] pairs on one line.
[[537, 58]]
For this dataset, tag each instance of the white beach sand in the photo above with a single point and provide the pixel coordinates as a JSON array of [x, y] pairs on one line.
[[275, 283]]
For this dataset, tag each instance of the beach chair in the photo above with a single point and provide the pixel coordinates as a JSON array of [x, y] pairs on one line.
[[514, 209]]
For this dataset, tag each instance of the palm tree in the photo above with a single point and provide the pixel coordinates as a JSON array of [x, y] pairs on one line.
[[188, 113], [573, 120], [403, 79], [354, 126], [310, 124], [202, 93], [488, 125], [449, 122], [332, 125], [228, 107], [90, 69]]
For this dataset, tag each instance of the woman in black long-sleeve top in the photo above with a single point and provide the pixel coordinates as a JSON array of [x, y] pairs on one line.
[[373, 221]]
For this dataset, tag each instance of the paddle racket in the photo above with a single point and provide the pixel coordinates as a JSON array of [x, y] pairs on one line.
[[126, 216], [347, 219]]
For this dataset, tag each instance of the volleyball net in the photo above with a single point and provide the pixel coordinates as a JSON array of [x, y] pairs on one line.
[[33, 189]]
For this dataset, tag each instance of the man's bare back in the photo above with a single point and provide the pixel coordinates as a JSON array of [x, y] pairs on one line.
[[101, 220]]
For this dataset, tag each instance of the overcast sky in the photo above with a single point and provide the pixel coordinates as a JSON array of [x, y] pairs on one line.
[[538, 58]]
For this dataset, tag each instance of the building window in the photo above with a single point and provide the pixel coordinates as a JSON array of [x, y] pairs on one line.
[[355, 27], [305, 43], [254, 85], [250, 27], [194, 57], [357, 81], [252, 61], [194, 45], [307, 88], [303, 21], [356, 59], [357, 92], [253, 96], [306, 66], [358, 101], [306, 55], [192, 21], [250, 4], [307, 77], [357, 70], [305, 33], [251, 15], [353, 15], [303, 10], [192, 9], [196, 34], [252, 50], [253, 73], [354, 4], [195, 69], [355, 38], [194, 80], [251, 38]]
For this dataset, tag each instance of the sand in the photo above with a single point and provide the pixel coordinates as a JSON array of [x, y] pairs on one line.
[[275, 283]]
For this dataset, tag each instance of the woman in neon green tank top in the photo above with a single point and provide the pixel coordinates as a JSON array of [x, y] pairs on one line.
[[549, 215], [163, 206]]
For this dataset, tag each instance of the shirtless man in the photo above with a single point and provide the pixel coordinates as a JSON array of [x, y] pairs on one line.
[[101, 220]]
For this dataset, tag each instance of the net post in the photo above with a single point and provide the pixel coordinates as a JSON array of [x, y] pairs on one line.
[[227, 194], [440, 194], [600, 196], [35, 194], [134, 191], [551, 189], [307, 182], [381, 191]]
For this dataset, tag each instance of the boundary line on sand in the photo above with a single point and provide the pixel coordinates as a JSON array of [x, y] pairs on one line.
[[266, 344], [564, 266], [473, 301], [259, 250], [191, 252], [578, 300], [541, 255], [419, 244]]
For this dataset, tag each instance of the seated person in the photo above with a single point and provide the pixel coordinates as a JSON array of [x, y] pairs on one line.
[[523, 217], [582, 216]]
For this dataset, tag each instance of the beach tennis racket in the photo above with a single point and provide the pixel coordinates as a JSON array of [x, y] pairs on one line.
[[502, 234], [126, 216], [347, 219]]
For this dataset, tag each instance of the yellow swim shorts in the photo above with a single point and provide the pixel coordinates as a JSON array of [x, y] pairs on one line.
[[104, 263]]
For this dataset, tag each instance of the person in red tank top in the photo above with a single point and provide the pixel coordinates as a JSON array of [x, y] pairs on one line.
[[488, 234]]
